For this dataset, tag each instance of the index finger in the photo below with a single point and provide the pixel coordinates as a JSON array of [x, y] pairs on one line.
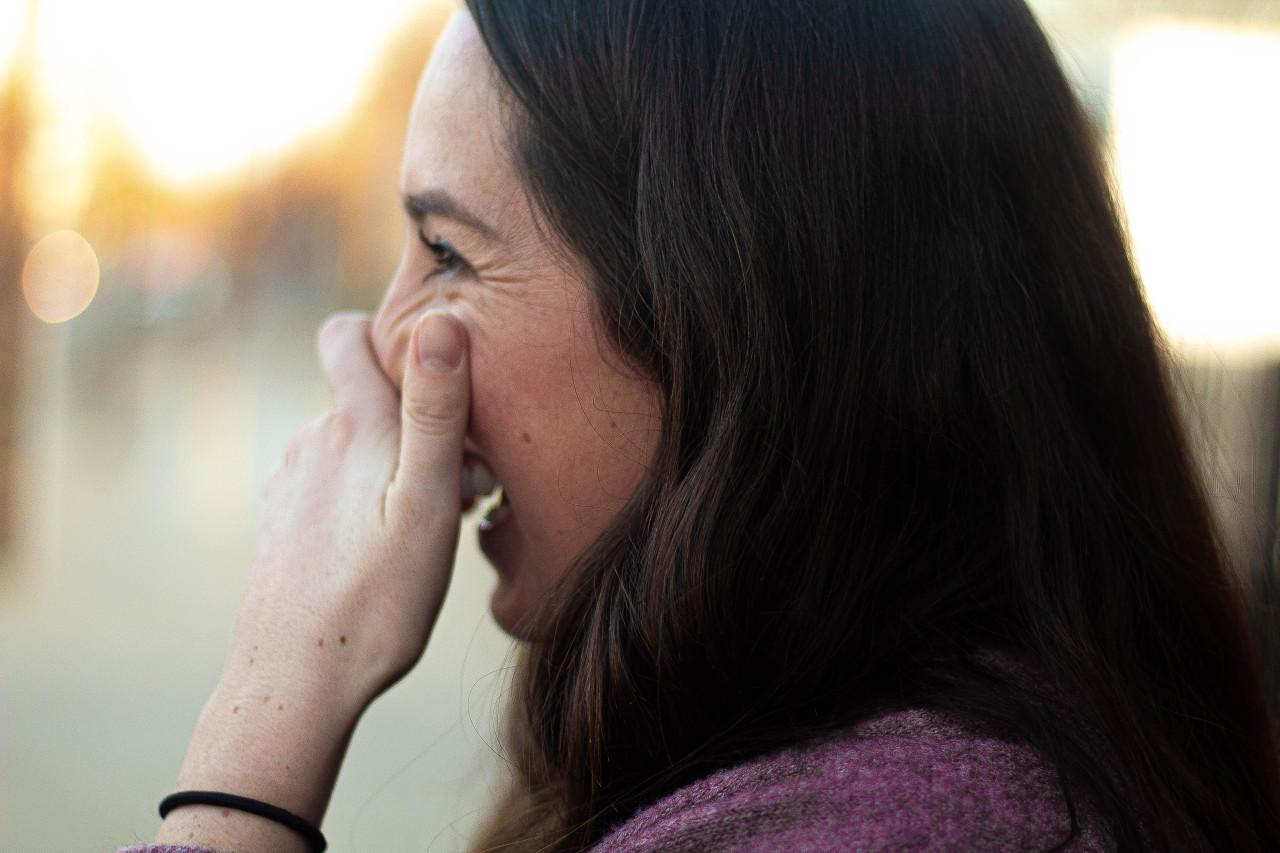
[[356, 380]]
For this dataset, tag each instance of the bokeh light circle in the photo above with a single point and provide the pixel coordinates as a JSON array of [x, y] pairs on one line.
[[60, 277]]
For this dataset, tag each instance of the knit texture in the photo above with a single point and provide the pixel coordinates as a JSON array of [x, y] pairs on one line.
[[908, 781]]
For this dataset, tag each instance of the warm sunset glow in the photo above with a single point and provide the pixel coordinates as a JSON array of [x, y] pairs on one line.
[[60, 277], [11, 12], [1196, 115], [200, 89]]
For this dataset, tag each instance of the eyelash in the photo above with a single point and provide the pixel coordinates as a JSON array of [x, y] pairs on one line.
[[446, 257]]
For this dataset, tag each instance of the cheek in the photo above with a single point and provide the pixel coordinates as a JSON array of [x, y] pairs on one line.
[[518, 391], [572, 434]]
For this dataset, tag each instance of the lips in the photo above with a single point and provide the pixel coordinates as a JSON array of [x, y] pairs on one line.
[[478, 482], [497, 513]]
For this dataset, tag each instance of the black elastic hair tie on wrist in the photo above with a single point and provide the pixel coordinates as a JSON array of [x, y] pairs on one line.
[[315, 839]]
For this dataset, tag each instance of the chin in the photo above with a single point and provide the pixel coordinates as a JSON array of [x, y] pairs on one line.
[[512, 616]]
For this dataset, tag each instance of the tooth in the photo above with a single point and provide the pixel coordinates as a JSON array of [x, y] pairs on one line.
[[485, 481], [477, 479]]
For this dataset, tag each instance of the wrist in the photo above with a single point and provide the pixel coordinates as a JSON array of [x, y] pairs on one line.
[[275, 729], [275, 740], [311, 836]]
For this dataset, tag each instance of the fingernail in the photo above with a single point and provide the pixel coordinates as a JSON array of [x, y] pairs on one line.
[[441, 341]]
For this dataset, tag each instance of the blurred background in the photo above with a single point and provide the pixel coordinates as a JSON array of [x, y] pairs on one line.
[[187, 190]]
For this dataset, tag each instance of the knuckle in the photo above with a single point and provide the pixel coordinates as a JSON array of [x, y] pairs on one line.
[[329, 332], [318, 430], [313, 426], [274, 479], [431, 419], [339, 332], [341, 323], [341, 425], [294, 448]]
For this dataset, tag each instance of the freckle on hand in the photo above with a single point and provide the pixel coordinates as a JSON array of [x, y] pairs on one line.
[[525, 437], [266, 699], [343, 639], [280, 707], [235, 710], [321, 643]]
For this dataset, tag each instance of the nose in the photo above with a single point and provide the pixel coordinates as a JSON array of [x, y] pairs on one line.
[[389, 335]]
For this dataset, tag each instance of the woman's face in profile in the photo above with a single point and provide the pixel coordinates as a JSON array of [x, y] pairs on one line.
[[555, 415]]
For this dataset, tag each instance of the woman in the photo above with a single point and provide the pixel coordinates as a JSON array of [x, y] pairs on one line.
[[845, 504]]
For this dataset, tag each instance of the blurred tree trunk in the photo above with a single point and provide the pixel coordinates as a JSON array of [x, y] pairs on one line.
[[15, 126]]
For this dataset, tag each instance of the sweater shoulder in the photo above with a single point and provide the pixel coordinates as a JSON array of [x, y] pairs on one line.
[[907, 781]]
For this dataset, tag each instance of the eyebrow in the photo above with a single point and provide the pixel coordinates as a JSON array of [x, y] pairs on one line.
[[420, 205]]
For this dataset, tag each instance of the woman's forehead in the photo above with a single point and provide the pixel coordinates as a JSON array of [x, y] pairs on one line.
[[455, 143]]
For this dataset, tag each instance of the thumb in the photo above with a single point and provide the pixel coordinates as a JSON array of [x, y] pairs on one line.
[[435, 402]]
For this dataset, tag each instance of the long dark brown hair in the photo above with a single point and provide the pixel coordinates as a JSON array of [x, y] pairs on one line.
[[916, 417]]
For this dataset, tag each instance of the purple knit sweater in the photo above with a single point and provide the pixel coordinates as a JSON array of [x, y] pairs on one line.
[[907, 781]]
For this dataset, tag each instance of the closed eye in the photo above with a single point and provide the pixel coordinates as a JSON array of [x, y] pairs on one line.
[[445, 256]]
